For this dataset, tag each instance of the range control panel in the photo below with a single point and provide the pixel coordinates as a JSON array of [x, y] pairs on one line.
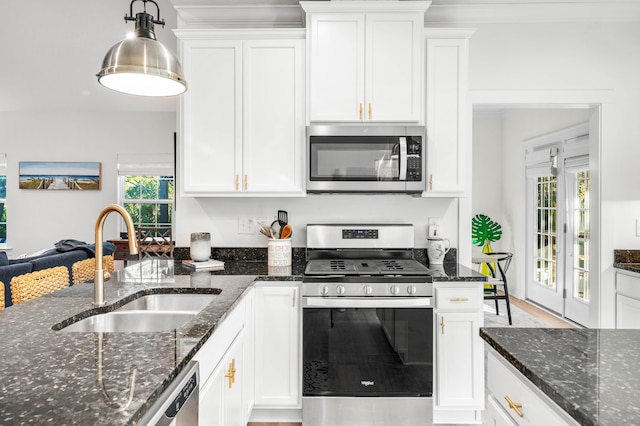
[[359, 234]]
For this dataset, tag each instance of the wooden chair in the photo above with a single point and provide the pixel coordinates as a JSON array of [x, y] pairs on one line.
[[35, 284], [498, 263], [84, 270], [155, 242]]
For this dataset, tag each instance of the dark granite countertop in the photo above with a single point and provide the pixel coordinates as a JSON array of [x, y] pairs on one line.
[[53, 377], [629, 260], [592, 374]]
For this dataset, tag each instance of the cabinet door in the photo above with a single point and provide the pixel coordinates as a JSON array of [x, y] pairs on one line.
[[221, 396], [459, 362], [210, 125], [336, 67], [627, 312], [211, 411], [273, 116], [277, 347], [447, 116], [393, 66]]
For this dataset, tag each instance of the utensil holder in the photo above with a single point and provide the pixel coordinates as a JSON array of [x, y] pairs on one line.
[[279, 253]]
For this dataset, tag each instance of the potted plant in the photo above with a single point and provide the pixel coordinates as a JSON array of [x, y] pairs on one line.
[[485, 231]]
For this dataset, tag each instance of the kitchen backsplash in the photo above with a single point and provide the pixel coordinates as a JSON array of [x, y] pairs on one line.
[[259, 254]]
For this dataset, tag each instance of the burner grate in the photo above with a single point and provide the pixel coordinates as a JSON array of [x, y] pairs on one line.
[[337, 265], [392, 265]]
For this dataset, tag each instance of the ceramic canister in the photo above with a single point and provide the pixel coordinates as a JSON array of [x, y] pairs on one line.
[[438, 247], [200, 249]]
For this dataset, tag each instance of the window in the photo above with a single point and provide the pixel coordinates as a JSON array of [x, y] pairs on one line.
[[3, 198], [146, 188]]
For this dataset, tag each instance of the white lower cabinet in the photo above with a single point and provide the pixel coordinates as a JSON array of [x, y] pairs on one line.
[[226, 370], [459, 373], [627, 300], [221, 394], [277, 345], [513, 400]]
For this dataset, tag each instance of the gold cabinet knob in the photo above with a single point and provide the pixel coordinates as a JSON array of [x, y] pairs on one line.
[[360, 112], [369, 111]]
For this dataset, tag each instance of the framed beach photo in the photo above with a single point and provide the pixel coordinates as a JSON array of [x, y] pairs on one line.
[[69, 176]]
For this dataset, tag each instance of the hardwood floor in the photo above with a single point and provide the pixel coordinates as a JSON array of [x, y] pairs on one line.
[[540, 314]]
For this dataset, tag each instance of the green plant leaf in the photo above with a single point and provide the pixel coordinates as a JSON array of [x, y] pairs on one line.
[[484, 229]]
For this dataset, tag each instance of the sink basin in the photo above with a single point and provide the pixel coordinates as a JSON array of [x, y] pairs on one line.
[[153, 312], [169, 302], [131, 321]]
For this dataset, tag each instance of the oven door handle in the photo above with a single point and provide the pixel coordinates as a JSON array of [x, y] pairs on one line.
[[369, 302]]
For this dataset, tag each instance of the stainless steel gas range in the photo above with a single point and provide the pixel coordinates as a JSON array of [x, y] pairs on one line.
[[367, 327]]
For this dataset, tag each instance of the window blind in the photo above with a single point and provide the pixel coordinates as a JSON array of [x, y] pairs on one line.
[[145, 164]]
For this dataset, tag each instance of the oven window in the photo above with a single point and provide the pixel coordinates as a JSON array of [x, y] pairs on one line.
[[336, 158], [368, 352]]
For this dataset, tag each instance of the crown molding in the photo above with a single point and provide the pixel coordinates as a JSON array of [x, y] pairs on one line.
[[533, 11], [290, 14]]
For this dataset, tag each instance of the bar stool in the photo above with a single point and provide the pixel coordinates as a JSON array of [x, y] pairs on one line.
[[35, 284], [501, 262]]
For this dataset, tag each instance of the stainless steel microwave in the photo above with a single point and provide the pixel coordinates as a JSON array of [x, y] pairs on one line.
[[366, 159]]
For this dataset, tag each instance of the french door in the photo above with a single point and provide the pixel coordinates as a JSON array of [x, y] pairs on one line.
[[558, 224]]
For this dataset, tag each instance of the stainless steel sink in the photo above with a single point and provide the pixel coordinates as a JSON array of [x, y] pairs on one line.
[[154, 312], [169, 302], [131, 321]]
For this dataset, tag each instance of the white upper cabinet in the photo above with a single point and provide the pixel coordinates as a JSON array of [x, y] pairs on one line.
[[242, 119], [365, 61], [448, 112]]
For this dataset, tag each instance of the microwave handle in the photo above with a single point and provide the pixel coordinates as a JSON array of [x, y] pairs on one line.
[[403, 159]]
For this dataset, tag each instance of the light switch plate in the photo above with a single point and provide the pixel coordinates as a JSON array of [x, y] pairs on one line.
[[247, 225]]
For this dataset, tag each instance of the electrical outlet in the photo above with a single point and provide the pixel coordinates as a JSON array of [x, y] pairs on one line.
[[435, 224], [247, 225]]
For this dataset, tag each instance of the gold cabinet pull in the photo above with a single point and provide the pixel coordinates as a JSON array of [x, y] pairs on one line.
[[231, 373], [514, 406], [459, 299], [360, 111], [442, 324], [236, 182], [430, 182], [245, 182], [369, 108]]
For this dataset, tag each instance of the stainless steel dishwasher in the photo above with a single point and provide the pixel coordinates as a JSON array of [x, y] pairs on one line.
[[178, 404]]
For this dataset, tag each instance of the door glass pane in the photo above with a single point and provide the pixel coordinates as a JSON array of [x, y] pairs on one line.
[[581, 237], [546, 231]]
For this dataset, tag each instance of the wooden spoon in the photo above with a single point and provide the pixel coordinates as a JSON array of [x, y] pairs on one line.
[[286, 232]]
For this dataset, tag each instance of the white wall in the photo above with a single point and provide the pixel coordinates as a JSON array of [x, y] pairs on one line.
[[37, 219], [562, 62], [220, 215]]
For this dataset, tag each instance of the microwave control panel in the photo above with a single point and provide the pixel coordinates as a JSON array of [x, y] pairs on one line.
[[414, 159]]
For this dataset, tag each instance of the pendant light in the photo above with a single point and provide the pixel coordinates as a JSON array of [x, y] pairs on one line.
[[141, 65]]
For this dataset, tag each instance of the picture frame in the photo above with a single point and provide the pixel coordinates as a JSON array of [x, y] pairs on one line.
[[60, 175]]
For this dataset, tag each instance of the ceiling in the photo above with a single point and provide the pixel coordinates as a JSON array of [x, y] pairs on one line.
[[51, 50]]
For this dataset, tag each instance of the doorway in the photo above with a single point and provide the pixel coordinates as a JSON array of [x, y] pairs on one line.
[[558, 193], [500, 190]]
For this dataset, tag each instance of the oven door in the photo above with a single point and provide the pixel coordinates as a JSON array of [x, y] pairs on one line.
[[367, 359]]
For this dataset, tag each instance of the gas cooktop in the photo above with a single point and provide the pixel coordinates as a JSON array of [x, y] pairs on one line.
[[394, 267]]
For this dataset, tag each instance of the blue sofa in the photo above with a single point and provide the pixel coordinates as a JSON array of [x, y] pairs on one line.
[[62, 255]]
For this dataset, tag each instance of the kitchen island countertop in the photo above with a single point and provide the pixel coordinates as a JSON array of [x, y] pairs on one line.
[[592, 374], [53, 377]]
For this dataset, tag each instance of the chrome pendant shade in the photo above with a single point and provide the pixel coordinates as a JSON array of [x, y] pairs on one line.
[[141, 65]]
